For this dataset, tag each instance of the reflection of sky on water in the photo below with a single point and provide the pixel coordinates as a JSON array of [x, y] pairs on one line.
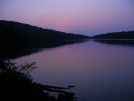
[[99, 71]]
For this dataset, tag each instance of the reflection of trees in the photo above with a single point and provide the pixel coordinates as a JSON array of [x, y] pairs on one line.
[[116, 42], [15, 36], [30, 49]]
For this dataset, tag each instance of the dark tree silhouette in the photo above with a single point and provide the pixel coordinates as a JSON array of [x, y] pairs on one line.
[[14, 35], [16, 84], [116, 35]]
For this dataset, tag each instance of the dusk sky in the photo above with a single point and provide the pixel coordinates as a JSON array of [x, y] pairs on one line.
[[88, 17]]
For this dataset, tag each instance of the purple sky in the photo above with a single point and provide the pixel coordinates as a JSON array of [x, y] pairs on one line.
[[88, 17]]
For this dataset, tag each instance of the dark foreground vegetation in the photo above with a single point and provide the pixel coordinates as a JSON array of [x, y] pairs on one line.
[[116, 35], [16, 84], [19, 35]]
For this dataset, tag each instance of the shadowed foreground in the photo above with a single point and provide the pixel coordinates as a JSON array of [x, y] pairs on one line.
[[16, 84]]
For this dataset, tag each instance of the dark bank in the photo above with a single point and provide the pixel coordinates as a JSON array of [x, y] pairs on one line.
[[16, 84]]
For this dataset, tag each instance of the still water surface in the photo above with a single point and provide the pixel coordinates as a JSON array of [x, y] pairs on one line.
[[100, 72]]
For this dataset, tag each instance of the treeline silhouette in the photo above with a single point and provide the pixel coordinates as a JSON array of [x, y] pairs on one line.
[[116, 35], [16, 84], [18, 35]]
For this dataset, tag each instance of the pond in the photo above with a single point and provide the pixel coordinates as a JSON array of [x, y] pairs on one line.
[[101, 71]]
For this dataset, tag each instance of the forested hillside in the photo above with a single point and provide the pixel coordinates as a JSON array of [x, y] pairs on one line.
[[16, 35], [116, 35]]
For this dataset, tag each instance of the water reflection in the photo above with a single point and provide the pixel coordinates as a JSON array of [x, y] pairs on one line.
[[30, 49], [125, 42], [100, 72]]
